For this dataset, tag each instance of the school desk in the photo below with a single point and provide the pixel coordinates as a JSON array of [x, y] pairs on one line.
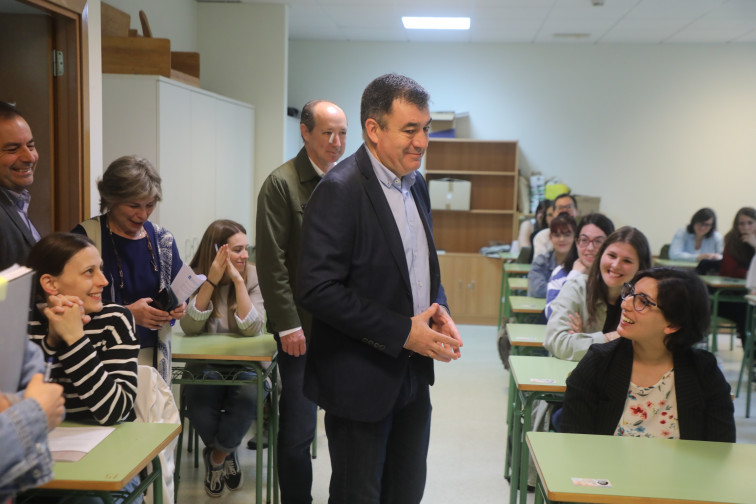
[[531, 378], [724, 289], [113, 463], [244, 352], [648, 470]]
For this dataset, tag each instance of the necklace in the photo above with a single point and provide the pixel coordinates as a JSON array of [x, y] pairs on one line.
[[153, 260]]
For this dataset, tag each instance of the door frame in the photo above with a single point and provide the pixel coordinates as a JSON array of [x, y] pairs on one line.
[[70, 163]]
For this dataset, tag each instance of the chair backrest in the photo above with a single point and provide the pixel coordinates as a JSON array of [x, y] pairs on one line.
[[664, 252], [524, 256]]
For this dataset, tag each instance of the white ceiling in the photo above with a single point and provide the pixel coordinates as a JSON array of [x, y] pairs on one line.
[[528, 21]]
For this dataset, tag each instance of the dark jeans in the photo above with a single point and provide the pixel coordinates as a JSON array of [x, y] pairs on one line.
[[296, 430], [382, 462]]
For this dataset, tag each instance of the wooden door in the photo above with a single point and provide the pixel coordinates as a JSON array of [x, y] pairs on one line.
[[57, 109], [27, 81]]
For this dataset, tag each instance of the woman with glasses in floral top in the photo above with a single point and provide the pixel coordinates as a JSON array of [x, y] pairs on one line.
[[652, 382]]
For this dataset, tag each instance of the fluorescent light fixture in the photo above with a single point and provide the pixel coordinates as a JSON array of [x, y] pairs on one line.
[[436, 23]]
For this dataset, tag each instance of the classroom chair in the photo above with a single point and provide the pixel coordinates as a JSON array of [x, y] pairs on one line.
[[664, 252]]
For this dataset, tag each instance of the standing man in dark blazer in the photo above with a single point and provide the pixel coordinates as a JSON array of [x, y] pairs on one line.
[[18, 160], [369, 274], [280, 208]]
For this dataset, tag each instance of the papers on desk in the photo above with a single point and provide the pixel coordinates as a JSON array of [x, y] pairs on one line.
[[186, 282], [70, 444]]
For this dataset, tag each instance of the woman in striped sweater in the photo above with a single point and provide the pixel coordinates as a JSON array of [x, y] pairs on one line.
[[93, 347]]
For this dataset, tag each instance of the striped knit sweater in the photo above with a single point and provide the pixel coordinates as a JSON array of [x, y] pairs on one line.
[[98, 372]]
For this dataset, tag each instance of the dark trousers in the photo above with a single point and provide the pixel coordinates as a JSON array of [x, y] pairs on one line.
[[296, 430], [382, 462]]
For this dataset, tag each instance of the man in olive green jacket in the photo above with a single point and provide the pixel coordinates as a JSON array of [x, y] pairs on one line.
[[280, 209]]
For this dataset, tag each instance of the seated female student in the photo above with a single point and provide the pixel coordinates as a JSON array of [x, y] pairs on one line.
[[591, 233], [587, 309], [93, 347], [562, 229], [651, 382], [699, 240], [740, 246], [228, 302], [529, 227]]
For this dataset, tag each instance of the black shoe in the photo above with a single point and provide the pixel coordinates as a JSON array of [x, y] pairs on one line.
[[232, 472], [214, 481], [252, 443]]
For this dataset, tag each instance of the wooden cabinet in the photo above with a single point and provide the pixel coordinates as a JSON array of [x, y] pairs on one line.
[[201, 143], [472, 281]]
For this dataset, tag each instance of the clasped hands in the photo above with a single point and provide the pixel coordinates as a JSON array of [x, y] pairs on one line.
[[434, 334]]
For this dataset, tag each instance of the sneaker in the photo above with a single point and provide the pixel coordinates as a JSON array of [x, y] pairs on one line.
[[232, 472], [214, 481]]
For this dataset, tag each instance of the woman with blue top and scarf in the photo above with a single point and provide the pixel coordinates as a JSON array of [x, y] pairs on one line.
[[140, 259]]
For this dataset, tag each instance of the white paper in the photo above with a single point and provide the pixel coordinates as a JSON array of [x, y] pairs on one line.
[[186, 282], [75, 439]]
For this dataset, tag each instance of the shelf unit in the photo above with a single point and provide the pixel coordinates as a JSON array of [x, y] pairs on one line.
[[491, 169], [470, 279]]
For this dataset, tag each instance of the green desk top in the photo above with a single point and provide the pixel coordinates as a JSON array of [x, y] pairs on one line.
[[525, 304], [652, 471], [542, 374], [721, 282], [526, 334], [516, 268], [223, 347], [509, 256], [751, 298], [116, 460], [671, 263], [520, 284]]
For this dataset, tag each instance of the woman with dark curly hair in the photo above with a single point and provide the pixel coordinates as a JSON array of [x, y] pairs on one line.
[[652, 382]]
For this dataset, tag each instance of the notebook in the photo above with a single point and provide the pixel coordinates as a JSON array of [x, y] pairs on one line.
[[15, 299]]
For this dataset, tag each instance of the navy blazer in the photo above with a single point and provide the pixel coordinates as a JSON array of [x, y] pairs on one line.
[[353, 278], [597, 390], [16, 238]]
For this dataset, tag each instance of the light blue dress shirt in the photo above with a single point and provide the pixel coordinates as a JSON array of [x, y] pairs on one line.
[[410, 226]]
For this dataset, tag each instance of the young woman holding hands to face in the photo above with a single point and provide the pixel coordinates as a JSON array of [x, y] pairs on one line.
[[587, 309], [229, 301], [651, 382]]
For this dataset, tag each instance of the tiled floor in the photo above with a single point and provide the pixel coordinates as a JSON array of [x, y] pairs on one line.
[[466, 458]]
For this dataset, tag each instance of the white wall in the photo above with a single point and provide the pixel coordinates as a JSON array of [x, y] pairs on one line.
[[244, 54], [657, 131], [171, 19]]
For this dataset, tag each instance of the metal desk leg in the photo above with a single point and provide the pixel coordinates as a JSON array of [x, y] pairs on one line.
[[259, 433], [516, 448], [510, 416], [714, 320]]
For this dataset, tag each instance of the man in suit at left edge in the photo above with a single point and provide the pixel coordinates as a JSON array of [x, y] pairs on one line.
[[18, 160]]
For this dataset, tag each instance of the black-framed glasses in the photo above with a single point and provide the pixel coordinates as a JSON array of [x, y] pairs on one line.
[[584, 241], [640, 300]]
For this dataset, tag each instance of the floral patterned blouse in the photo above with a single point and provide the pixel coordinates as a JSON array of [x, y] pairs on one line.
[[651, 411]]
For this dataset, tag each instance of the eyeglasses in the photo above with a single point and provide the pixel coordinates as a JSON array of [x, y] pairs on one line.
[[564, 208], [584, 241], [640, 301]]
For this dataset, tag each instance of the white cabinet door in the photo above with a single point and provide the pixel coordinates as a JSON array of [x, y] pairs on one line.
[[200, 143], [234, 189]]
